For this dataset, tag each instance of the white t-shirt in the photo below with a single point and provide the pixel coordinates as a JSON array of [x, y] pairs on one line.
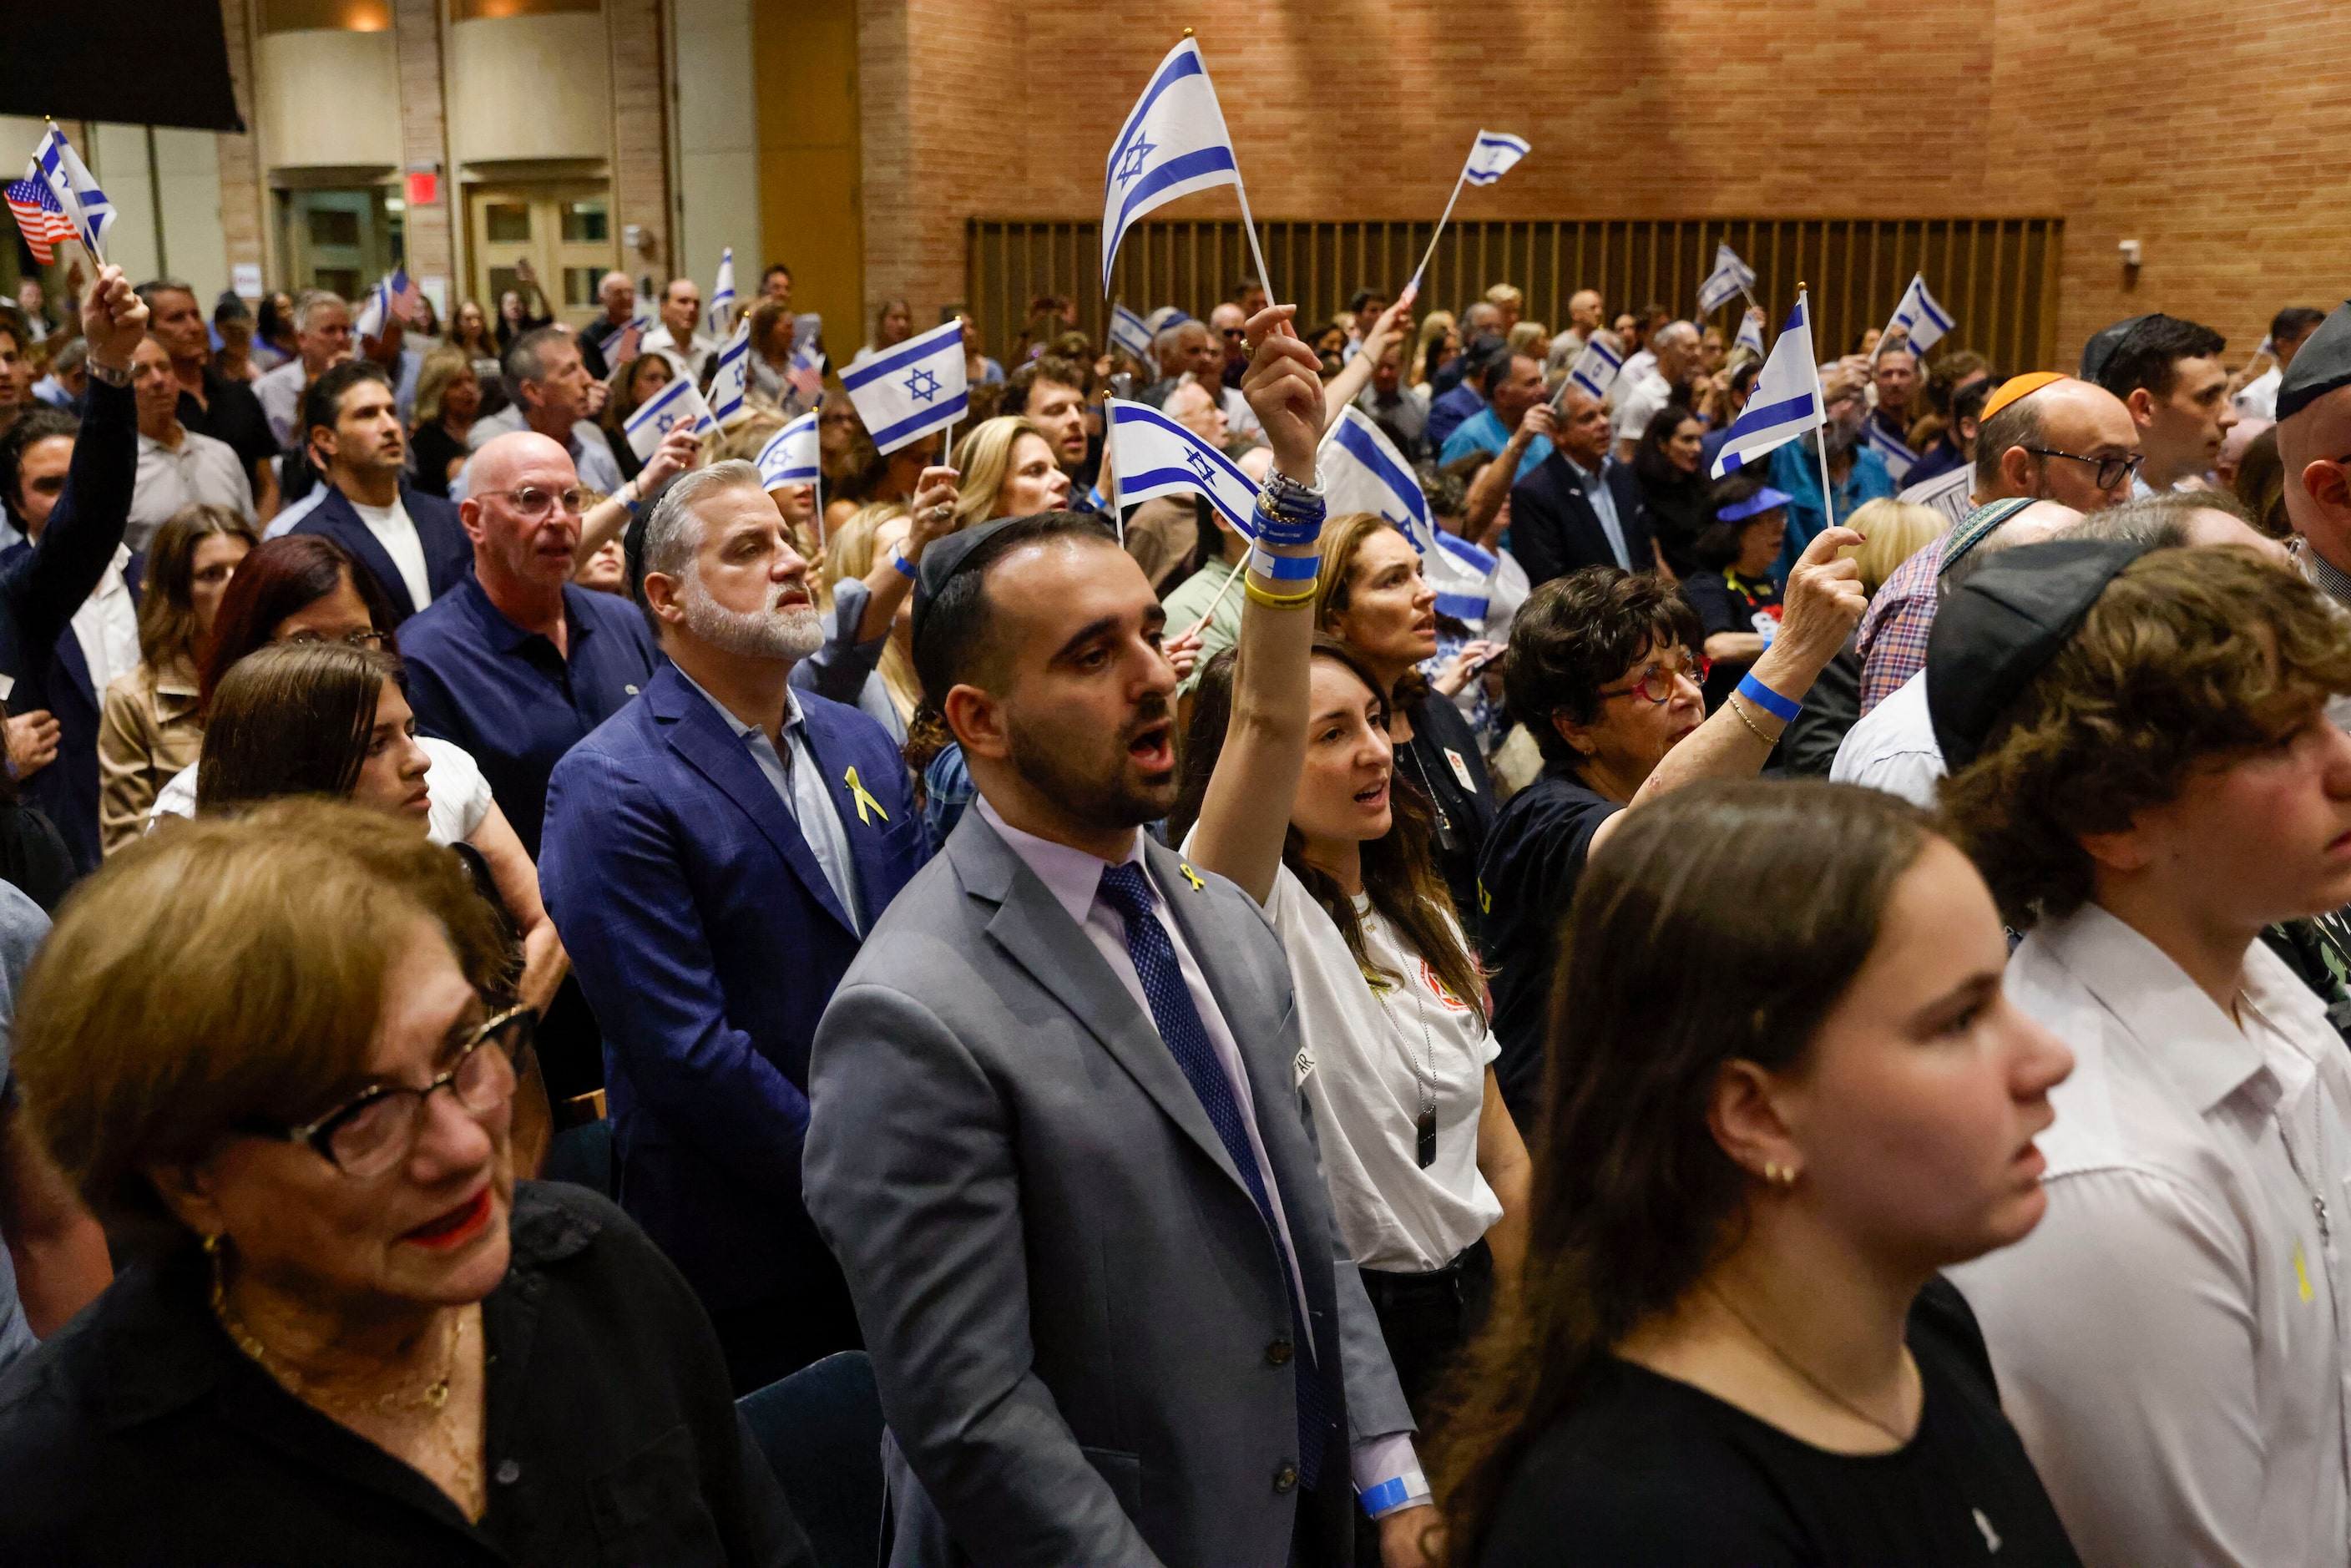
[[458, 797], [396, 532], [1372, 1059], [1638, 399], [1893, 748]]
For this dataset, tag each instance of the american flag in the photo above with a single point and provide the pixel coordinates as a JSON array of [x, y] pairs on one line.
[[38, 215]]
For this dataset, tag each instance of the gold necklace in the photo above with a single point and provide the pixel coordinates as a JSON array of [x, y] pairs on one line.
[[1791, 1362], [433, 1396]]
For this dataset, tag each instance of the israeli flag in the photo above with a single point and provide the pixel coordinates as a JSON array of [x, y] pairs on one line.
[[904, 393], [1130, 332], [1919, 316], [1595, 368], [676, 403], [1362, 471], [1786, 402], [1730, 279], [56, 165], [370, 322], [1152, 455], [1174, 142], [791, 456], [1899, 458], [730, 379], [1751, 334], [721, 292], [1494, 154]]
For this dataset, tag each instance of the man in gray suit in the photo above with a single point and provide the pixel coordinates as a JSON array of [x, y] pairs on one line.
[[1056, 1140]]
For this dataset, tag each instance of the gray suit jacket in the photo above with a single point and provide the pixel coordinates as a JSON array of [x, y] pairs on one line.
[[1075, 1312]]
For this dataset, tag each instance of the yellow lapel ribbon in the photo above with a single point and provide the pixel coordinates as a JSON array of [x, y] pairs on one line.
[[1191, 876], [864, 798]]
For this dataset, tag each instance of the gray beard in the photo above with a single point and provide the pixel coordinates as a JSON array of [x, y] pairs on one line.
[[1836, 440], [787, 635]]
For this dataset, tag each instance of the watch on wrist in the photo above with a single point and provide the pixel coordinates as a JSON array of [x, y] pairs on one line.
[[112, 375]]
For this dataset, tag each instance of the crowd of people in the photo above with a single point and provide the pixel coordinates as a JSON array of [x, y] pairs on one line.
[[1808, 1025]]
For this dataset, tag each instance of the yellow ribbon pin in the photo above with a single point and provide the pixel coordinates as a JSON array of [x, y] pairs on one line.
[[864, 797], [1485, 899], [1191, 876], [2302, 1275]]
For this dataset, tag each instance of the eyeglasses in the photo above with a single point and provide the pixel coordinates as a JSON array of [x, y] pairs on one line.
[[2112, 471], [368, 639], [1656, 683], [1236, 334], [376, 1129], [533, 503]]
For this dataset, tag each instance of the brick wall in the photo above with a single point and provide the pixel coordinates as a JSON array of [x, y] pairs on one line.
[[424, 136], [242, 197], [1660, 108], [641, 191]]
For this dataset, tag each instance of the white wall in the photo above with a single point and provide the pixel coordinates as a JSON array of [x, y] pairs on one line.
[[717, 142]]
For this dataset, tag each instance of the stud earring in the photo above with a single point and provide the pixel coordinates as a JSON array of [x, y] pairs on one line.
[[1771, 1173]]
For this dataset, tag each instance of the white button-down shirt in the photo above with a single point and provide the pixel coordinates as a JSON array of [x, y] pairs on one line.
[[799, 785], [1074, 879], [2170, 1339], [1893, 748], [169, 477]]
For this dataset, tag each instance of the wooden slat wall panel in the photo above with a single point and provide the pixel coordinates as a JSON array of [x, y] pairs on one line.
[[1996, 276]]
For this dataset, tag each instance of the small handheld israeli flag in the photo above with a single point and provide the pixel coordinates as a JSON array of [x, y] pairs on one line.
[[1751, 334], [1786, 402], [904, 393], [1362, 471], [370, 321], [1730, 279], [1494, 154], [676, 403], [721, 292], [1130, 332], [730, 379], [56, 165], [1924, 320], [1174, 142], [1595, 368], [1152, 455], [792, 455], [1899, 458]]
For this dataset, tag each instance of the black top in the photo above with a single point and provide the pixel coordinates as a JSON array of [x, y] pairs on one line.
[[33, 856], [1726, 602], [1677, 513], [1442, 749], [434, 447], [1527, 876], [141, 1434], [231, 412], [1808, 747], [1649, 1470]]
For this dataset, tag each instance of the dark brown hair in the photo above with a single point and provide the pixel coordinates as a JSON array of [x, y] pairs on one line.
[[293, 718], [1399, 874], [215, 971], [1577, 634], [168, 629], [2189, 657], [1781, 886], [285, 576]]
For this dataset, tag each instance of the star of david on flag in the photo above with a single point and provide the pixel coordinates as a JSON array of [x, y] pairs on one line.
[[1786, 402], [1919, 316], [1595, 368], [1130, 332], [721, 292], [904, 393], [730, 378], [676, 403], [1730, 280], [1494, 154], [56, 165], [1751, 334], [1362, 471], [1174, 142], [1152, 455], [792, 455]]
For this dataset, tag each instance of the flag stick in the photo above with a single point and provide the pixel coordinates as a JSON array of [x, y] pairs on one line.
[[1412, 289], [1820, 436], [1264, 274], [1209, 614]]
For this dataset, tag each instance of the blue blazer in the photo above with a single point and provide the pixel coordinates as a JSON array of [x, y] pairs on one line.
[[708, 942], [66, 790], [448, 553]]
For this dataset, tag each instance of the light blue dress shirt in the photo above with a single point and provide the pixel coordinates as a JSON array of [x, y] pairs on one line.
[[799, 783], [1603, 506]]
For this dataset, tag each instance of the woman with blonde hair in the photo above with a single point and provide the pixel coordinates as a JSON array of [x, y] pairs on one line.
[[1440, 341], [151, 725], [1892, 532], [873, 537], [1005, 468], [448, 399]]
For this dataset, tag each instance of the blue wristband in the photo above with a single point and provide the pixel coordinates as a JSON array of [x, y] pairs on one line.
[[1288, 529], [1286, 568], [906, 569], [1767, 699], [1386, 1497]]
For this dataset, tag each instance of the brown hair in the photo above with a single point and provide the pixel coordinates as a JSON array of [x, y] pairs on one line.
[[1575, 635], [1398, 871], [168, 629], [292, 718], [1781, 886], [2187, 657], [217, 971], [2261, 485]]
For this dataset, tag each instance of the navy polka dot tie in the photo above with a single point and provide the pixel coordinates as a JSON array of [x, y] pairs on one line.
[[1172, 1008]]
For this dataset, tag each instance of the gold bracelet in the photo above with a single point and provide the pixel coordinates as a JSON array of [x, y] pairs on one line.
[[1277, 601], [1731, 702]]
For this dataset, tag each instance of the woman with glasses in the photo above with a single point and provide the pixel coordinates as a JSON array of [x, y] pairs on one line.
[[1606, 671], [268, 1054], [151, 727]]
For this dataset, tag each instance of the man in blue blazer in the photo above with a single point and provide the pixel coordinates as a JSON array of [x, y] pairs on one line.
[[714, 855], [411, 542], [1580, 507]]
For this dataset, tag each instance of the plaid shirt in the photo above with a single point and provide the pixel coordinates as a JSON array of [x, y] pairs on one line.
[[1894, 629]]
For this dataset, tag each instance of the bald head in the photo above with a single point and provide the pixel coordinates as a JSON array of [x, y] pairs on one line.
[[521, 511], [502, 458], [2315, 446], [2087, 425]]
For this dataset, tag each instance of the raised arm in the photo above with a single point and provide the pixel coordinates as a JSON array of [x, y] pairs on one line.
[[930, 515], [1823, 602], [608, 518], [1356, 373], [1245, 812]]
